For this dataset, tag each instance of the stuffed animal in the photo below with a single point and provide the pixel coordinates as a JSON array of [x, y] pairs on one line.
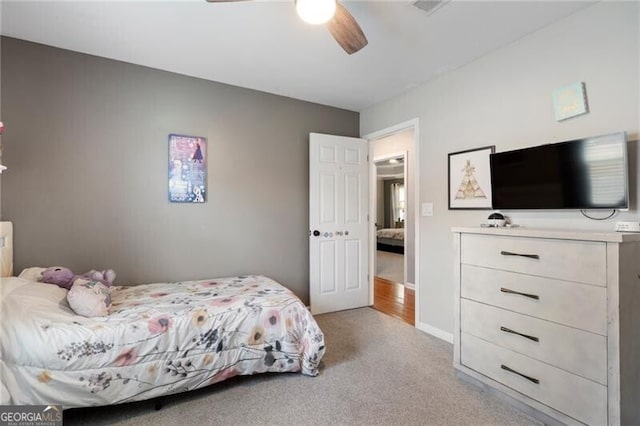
[[89, 298], [106, 276], [64, 277]]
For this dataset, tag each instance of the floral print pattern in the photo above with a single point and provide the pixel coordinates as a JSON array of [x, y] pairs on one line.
[[160, 324], [126, 357], [159, 339]]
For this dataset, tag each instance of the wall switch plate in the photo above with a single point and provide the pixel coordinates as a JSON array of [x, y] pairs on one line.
[[427, 209], [628, 226], [2, 242]]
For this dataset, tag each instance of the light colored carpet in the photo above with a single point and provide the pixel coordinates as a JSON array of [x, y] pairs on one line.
[[390, 266], [377, 371]]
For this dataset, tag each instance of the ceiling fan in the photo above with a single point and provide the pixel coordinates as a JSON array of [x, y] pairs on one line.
[[341, 24]]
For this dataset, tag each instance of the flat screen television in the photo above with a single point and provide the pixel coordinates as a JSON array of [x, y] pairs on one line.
[[589, 173]]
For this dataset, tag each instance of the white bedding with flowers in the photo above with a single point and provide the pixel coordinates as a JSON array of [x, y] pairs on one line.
[[159, 339]]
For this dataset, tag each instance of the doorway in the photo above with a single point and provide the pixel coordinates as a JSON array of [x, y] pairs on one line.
[[392, 296], [394, 286]]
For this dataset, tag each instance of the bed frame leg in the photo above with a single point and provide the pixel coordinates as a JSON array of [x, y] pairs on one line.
[[159, 404]]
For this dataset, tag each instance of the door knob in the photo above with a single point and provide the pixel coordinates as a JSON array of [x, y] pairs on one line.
[[316, 233]]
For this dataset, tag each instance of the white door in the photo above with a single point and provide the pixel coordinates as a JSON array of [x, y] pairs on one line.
[[338, 209]]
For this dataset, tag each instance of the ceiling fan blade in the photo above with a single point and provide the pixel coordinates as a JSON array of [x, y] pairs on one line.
[[222, 1], [346, 31]]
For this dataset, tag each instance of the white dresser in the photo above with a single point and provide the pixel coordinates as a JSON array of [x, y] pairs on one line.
[[551, 320]]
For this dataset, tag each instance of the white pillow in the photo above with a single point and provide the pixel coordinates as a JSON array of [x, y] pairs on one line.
[[31, 274], [89, 298]]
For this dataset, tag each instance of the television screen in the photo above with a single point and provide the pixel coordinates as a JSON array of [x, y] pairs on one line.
[[589, 173]]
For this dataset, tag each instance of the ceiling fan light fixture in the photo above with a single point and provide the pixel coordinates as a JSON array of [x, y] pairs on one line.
[[315, 11]]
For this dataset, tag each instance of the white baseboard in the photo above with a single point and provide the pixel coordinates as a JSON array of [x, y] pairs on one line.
[[410, 286], [436, 332]]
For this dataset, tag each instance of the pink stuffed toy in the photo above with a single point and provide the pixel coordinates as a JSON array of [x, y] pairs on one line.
[[64, 277], [106, 276]]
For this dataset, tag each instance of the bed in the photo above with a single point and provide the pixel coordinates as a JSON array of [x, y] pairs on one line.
[[158, 339], [390, 239]]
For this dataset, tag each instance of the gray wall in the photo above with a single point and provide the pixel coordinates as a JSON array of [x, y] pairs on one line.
[[0, 102], [504, 99], [86, 146]]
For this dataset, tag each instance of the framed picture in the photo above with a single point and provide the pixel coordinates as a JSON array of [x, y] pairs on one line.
[[187, 169], [470, 179], [570, 101]]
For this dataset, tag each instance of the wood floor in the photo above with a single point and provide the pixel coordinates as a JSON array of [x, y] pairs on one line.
[[394, 299]]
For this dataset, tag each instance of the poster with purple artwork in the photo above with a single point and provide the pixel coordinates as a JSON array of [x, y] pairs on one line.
[[187, 169]]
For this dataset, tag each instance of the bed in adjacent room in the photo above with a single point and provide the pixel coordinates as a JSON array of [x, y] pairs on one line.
[[390, 239], [158, 339]]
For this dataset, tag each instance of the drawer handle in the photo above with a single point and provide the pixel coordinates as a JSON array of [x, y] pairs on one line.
[[526, 336], [530, 256], [510, 370], [530, 296]]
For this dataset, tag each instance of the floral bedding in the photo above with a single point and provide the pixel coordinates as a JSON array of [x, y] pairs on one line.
[[158, 339]]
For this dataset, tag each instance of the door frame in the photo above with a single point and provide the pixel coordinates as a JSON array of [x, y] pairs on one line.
[[373, 196], [415, 197]]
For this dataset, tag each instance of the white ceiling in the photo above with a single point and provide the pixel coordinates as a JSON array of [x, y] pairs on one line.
[[387, 170], [263, 45]]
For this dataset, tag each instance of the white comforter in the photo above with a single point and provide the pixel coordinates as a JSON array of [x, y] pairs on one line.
[[159, 339]]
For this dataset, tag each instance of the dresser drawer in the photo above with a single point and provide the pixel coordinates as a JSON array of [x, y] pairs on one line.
[[576, 305], [580, 261], [576, 351], [582, 399]]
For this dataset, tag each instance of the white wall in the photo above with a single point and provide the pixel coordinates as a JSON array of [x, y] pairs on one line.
[[399, 142], [380, 202], [504, 99]]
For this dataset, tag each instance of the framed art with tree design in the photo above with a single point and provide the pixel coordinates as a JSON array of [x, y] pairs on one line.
[[469, 185]]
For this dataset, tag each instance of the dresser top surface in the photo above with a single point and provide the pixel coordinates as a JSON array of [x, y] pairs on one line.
[[564, 234]]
